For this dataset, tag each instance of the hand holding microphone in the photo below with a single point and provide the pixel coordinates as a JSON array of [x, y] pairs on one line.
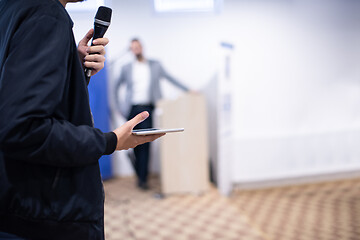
[[93, 57]]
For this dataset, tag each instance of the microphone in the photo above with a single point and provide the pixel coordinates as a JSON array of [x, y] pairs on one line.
[[101, 24]]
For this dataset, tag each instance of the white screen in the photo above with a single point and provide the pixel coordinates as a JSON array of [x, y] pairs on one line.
[[163, 6], [88, 5]]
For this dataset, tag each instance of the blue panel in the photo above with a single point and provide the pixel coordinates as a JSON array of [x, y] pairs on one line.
[[100, 110]]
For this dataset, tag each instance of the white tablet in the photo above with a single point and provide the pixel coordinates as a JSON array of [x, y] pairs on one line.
[[151, 131]]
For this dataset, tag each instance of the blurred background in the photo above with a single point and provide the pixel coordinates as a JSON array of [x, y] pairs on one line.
[[278, 82]]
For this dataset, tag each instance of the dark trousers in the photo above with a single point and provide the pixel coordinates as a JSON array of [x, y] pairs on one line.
[[142, 152]]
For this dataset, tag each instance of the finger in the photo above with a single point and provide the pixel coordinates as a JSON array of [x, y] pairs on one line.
[[96, 49], [138, 119], [101, 41], [94, 58], [87, 37], [94, 65]]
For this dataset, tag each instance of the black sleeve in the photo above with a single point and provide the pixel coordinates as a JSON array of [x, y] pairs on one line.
[[111, 142], [32, 83]]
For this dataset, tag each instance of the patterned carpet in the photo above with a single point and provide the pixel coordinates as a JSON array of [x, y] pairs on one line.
[[328, 211]]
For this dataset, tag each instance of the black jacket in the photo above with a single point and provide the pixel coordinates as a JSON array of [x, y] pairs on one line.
[[50, 183]]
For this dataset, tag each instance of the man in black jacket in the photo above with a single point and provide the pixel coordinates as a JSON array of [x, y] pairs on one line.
[[50, 184]]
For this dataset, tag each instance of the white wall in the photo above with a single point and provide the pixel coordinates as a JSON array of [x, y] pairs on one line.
[[298, 69], [298, 93]]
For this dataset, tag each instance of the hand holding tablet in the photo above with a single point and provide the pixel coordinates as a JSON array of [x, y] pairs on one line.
[[151, 131]]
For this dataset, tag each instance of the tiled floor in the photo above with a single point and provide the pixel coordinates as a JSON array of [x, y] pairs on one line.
[[329, 211]]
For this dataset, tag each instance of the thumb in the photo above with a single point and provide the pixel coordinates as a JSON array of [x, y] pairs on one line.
[[87, 38], [138, 119]]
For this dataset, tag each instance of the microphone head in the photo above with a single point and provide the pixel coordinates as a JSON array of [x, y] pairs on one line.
[[103, 15]]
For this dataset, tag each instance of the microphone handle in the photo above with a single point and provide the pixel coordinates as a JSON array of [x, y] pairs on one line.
[[99, 32]]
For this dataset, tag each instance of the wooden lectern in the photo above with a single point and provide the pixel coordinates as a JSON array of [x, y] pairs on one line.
[[184, 156]]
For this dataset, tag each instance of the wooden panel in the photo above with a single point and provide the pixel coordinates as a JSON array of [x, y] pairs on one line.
[[184, 156]]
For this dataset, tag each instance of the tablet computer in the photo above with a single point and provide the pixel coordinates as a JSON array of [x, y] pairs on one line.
[[150, 131]]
